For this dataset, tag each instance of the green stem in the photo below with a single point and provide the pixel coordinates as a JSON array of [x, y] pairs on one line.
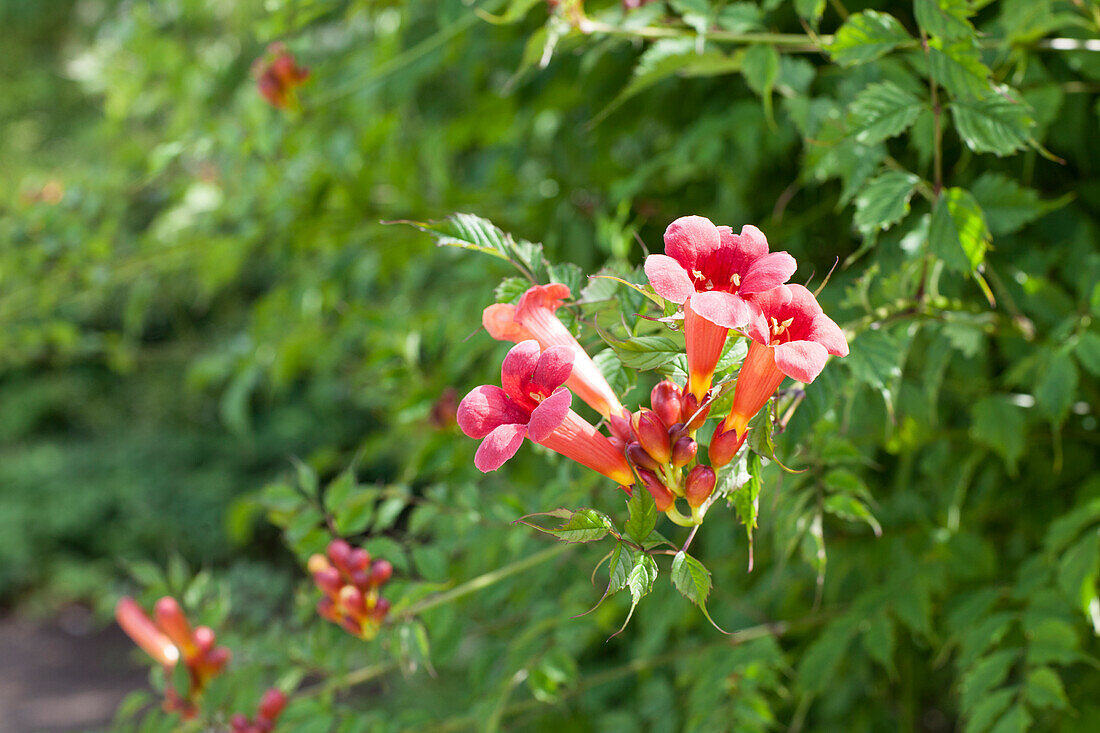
[[483, 581]]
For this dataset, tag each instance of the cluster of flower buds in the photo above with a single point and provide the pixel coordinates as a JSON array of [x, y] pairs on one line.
[[271, 706], [350, 582], [278, 75], [660, 444], [169, 639]]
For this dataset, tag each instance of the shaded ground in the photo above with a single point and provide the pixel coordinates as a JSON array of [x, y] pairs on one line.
[[63, 676]]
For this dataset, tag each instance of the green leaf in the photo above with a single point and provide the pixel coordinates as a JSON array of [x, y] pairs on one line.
[[986, 710], [999, 424], [879, 640], [1057, 386], [760, 67], [957, 66], [510, 289], [988, 673], [355, 514], [515, 12], [993, 123], [1088, 352], [746, 499], [851, 509], [583, 525], [612, 369], [818, 665], [643, 516], [1078, 569], [882, 111], [640, 582], [1044, 689], [958, 233], [646, 352], [468, 231], [811, 10], [947, 19], [866, 36], [693, 581], [741, 17], [1008, 206], [339, 490], [1016, 720], [884, 201]]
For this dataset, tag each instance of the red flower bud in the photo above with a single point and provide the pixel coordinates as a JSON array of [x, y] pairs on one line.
[[618, 443], [359, 559], [662, 497], [652, 433], [628, 490], [204, 638], [239, 723], [700, 485], [353, 627], [665, 399], [352, 601], [217, 659], [272, 704], [724, 445], [380, 572], [636, 453], [329, 580], [145, 633], [361, 579], [339, 552], [689, 406], [620, 426], [381, 608], [684, 451], [326, 609]]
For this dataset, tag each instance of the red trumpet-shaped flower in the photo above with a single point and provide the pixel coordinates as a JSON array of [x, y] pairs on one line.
[[277, 76], [533, 318], [170, 638], [712, 271], [533, 404], [351, 584], [794, 339]]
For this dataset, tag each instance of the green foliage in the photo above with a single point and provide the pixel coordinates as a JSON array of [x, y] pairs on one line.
[[216, 357]]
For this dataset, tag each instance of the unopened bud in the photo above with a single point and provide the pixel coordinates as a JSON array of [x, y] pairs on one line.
[[652, 433], [689, 407], [636, 453], [699, 485], [352, 601], [618, 443], [381, 608], [217, 659], [684, 451], [169, 617], [352, 626], [239, 723], [662, 497], [326, 609], [272, 704], [361, 579], [204, 638], [339, 552], [665, 399], [359, 559], [620, 426], [317, 563], [380, 572], [724, 445], [329, 580]]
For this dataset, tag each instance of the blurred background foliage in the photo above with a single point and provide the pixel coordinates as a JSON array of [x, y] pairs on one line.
[[205, 323]]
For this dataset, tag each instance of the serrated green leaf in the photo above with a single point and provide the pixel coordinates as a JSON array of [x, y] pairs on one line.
[[879, 641], [510, 289], [986, 674], [947, 19], [741, 17], [957, 67], [1079, 567], [693, 581], [882, 111], [993, 123], [646, 352], [988, 709], [639, 581], [339, 490], [760, 67], [958, 233], [1044, 689], [1016, 720], [643, 516], [999, 424], [884, 201], [866, 36], [583, 525], [851, 509], [746, 499], [811, 10]]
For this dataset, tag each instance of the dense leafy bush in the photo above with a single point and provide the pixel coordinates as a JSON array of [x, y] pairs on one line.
[[216, 356]]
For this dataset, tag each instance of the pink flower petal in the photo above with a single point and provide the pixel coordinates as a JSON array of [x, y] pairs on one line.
[[499, 320], [801, 360], [802, 304], [518, 366], [485, 409], [773, 302], [669, 278], [752, 242], [548, 415], [824, 331], [723, 309], [690, 239], [542, 296], [498, 447], [767, 272], [553, 368], [757, 328]]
